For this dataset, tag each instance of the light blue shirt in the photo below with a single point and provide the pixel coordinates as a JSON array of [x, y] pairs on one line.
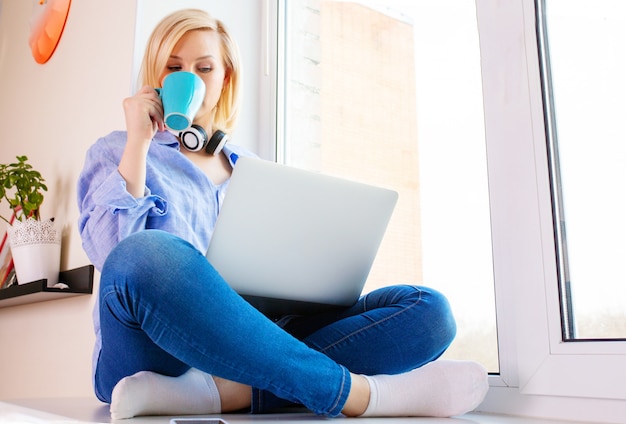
[[178, 198]]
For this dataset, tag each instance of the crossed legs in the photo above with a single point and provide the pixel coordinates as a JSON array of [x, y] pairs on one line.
[[168, 310]]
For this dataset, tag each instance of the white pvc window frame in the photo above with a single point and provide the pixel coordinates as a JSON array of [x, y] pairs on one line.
[[541, 375]]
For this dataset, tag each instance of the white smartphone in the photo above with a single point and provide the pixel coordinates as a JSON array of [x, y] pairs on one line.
[[197, 421]]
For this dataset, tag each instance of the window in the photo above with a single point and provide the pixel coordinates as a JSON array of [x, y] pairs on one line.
[[583, 81], [389, 93], [541, 374]]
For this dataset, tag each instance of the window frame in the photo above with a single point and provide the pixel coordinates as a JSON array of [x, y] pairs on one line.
[[540, 374], [543, 375]]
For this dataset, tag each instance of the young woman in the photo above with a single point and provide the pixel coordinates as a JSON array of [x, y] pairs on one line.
[[173, 338]]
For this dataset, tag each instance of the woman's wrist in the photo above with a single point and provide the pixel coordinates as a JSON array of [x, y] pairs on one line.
[[132, 166]]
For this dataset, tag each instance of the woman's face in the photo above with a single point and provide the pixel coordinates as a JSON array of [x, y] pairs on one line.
[[199, 52]]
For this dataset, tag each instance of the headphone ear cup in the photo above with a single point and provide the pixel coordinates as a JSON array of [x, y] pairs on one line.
[[194, 138], [217, 142]]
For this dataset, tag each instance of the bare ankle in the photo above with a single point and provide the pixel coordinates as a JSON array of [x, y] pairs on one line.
[[233, 396], [358, 398]]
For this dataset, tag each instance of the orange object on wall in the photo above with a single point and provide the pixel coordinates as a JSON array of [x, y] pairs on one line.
[[47, 24]]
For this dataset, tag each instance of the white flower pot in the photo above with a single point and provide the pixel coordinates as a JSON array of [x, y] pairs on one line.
[[36, 249]]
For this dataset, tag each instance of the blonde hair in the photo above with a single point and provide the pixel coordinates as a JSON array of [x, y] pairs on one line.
[[159, 48]]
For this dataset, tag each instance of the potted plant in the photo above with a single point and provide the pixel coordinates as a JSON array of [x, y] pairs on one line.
[[35, 243]]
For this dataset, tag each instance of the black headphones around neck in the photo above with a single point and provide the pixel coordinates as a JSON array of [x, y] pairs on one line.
[[195, 139]]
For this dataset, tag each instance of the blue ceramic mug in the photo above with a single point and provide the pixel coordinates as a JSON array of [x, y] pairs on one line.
[[182, 95]]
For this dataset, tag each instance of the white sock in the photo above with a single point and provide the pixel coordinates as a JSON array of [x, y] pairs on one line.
[[149, 393], [442, 388]]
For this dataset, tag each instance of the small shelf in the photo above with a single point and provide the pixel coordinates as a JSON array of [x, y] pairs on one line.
[[79, 280]]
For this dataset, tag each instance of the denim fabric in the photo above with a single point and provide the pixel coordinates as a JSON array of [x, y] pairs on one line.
[[388, 331], [164, 308]]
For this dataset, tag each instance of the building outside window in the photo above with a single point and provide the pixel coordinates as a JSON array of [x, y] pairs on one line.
[[390, 94]]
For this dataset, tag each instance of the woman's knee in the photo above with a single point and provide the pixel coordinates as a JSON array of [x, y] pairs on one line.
[[440, 315], [147, 246], [149, 256], [156, 264], [428, 315]]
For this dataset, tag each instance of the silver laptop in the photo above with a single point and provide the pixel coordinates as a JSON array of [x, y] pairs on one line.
[[292, 241]]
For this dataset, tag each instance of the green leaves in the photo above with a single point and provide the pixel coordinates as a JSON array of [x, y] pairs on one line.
[[22, 187]]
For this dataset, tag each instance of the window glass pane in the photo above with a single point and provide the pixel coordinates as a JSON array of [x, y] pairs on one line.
[[584, 68], [389, 93]]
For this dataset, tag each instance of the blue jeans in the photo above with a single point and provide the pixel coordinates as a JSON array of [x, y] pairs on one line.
[[164, 308]]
